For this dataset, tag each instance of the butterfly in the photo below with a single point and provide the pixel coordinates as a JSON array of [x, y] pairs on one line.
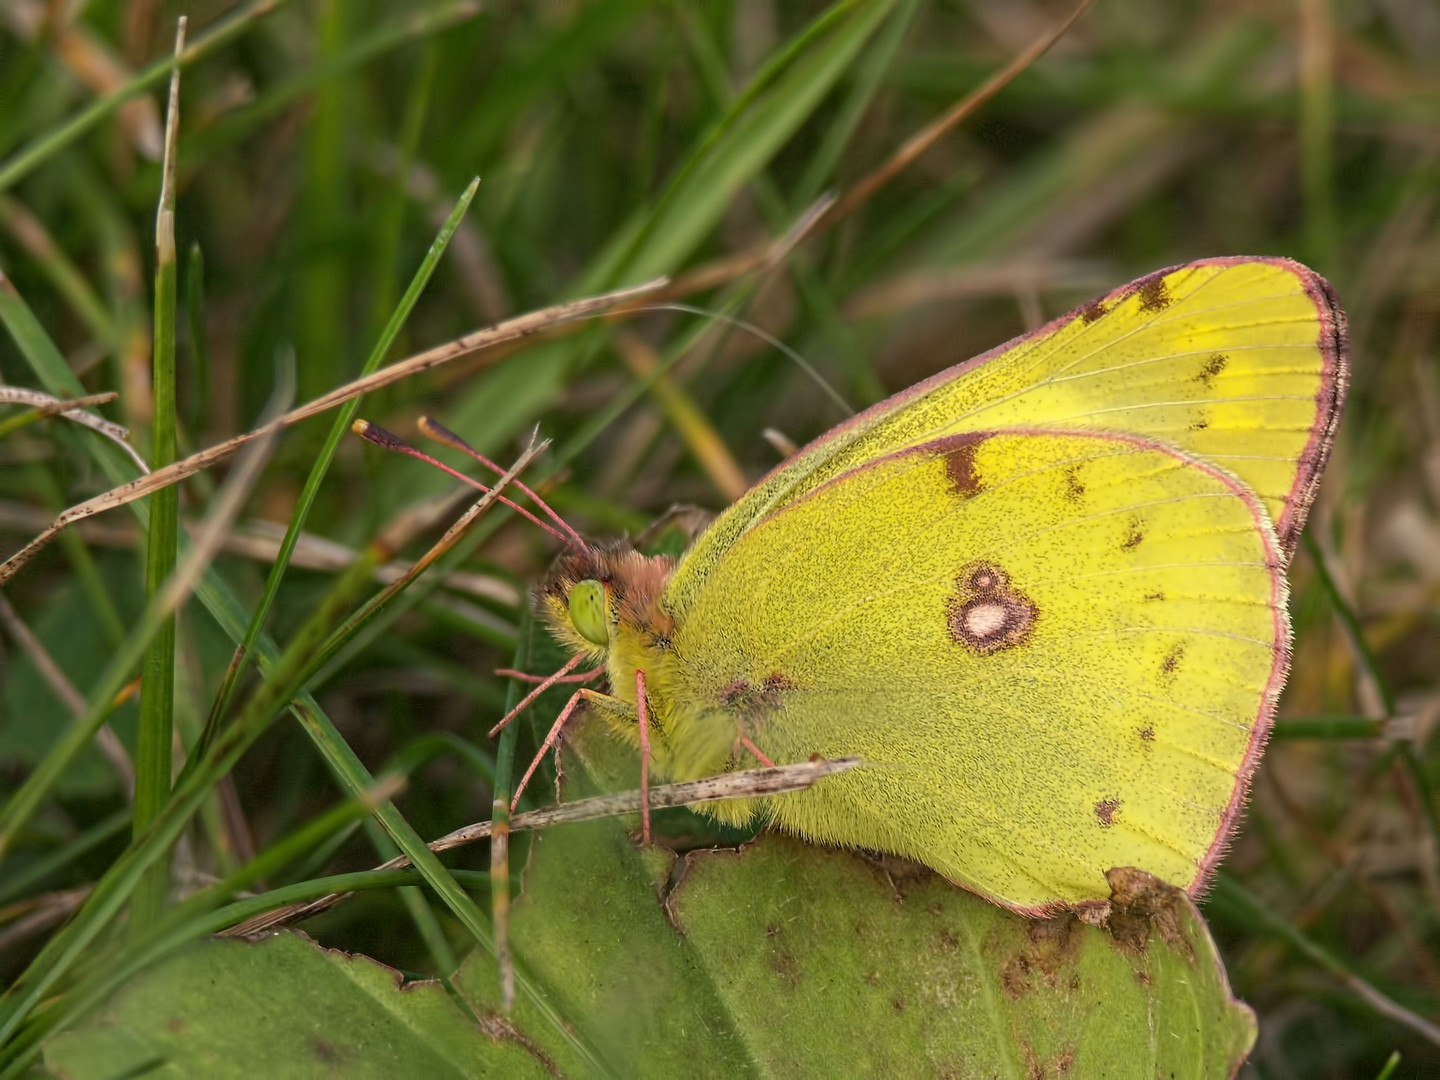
[[1041, 594]]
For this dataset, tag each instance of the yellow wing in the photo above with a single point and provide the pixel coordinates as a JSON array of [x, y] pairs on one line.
[[1057, 653], [1237, 361]]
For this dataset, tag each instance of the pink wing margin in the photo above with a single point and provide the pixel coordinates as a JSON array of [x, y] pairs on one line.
[[1332, 341]]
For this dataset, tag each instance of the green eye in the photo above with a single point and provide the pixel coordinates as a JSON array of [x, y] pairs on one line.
[[587, 611]]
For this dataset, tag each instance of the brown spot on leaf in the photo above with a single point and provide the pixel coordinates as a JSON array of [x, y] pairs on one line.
[[987, 613], [1105, 811], [1048, 956], [898, 1004], [959, 452], [1015, 977], [325, 1051], [1143, 904], [1213, 367], [1154, 293], [1074, 489], [1092, 311], [176, 1023], [785, 965]]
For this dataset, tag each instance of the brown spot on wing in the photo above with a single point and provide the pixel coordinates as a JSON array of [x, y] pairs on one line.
[[1212, 368], [1200, 425], [959, 452], [1171, 663], [1154, 293], [753, 702], [1147, 733], [1156, 595], [1105, 811], [1074, 489], [1133, 540], [1092, 311], [987, 613]]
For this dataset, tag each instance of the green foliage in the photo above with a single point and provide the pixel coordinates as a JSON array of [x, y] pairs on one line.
[[777, 960], [322, 146], [284, 1008]]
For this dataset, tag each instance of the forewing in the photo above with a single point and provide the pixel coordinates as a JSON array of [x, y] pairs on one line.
[[1240, 362], [1056, 652]]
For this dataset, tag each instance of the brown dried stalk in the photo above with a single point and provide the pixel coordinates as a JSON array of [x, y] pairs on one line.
[[753, 782]]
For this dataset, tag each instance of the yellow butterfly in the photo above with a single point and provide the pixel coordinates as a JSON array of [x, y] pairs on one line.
[[1042, 594]]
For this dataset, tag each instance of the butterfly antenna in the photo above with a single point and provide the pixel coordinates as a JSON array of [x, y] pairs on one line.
[[545, 684], [441, 434], [374, 433]]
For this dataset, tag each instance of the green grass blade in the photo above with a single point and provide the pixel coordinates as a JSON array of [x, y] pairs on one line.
[[761, 120], [18, 883], [338, 429], [52, 142], [157, 684]]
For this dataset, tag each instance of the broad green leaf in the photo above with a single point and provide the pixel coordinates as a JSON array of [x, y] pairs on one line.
[[787, 959], [591, 931], [779, 959], [833, 964], [285, 1007]]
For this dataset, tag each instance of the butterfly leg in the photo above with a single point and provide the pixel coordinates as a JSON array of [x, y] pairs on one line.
[[550, 739], [643, 716], [743, 741], [545, 684]]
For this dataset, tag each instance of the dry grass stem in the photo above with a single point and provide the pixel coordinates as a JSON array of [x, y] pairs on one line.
[[106, 740], [751, 783], [523, 326]]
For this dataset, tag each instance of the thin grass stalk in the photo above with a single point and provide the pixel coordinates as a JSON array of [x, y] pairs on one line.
[[776, 780], [1365, 657], [417, 906], [1317, 130], [157, 688], [48, 145], [1255, 914], [352, 775], [500, 815], [199, 340], [116, 886], [130, 653], [30, 1042], [17, 883], [341, 424], [50, 367]]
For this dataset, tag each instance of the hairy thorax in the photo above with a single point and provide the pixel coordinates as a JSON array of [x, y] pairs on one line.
[[692, 728]]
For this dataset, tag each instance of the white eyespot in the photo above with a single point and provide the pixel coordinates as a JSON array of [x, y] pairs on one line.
[[985, 620]]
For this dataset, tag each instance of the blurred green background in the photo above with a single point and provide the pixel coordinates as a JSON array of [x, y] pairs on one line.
[[322, 144]]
